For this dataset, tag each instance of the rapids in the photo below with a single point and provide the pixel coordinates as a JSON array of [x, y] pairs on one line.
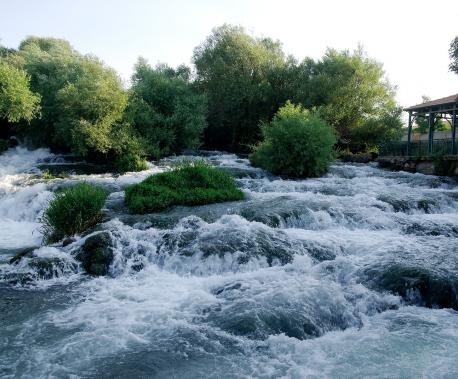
[[354, 274]]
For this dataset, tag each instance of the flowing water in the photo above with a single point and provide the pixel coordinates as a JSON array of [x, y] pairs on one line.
[[351, 275]]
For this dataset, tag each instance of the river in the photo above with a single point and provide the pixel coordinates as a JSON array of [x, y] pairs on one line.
[[351, 275]]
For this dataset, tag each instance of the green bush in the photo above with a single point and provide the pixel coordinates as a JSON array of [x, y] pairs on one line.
[[73, 210], [129, 162], [296, 143], [189, 184]]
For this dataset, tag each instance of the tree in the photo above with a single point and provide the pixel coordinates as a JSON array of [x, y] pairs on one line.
[[89, 107], [17, 101], [51, 64], [453, 52], [349, 88], [165, 110], [296, 143], [233, 69], [375, 130]]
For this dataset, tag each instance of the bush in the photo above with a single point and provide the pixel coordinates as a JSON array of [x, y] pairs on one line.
[[189, 184], [296, 143], [129, 162], [73, 210]]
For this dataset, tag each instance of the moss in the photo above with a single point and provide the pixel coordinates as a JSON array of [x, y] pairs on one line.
[[73, 210], [190, 184]]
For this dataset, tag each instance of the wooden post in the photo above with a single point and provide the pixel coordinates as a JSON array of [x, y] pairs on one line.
[[453, 131], [409, 132], [431, 132]]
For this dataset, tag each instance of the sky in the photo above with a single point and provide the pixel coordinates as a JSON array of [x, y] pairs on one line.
[[410, 38]]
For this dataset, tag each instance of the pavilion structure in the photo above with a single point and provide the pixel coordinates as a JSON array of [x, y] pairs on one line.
[[445, 108]]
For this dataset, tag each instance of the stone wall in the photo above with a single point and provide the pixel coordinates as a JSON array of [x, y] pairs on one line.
[[446, 165]]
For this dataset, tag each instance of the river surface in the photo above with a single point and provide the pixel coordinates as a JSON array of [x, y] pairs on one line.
[[352, 275]]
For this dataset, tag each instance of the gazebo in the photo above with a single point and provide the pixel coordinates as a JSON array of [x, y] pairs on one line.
[[445, 108]]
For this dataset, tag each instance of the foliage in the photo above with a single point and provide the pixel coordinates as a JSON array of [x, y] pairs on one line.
[[233, 69], [73, 210], [127, 152], [375, 130], [190, 184], [17, 101], [165, 110], [296, 143], [46, 175], [247, 79], [349, 88], [422, 125], [89, 108], [453, 52]]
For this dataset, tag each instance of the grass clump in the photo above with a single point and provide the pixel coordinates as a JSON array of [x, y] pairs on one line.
[[190, 184], [296, 143], [46, 175], [73, 210]]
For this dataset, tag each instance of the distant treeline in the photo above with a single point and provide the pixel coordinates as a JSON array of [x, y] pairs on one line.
[[51, 95]]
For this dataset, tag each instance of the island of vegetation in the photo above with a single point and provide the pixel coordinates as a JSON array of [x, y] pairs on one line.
[[192, 183]]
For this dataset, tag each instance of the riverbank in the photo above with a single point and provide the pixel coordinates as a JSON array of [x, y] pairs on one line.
[[446, 165]]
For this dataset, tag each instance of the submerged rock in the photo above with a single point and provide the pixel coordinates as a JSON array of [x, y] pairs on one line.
[[417, 285], [230, 235], [96, 254], [28, 252], [39, 264]]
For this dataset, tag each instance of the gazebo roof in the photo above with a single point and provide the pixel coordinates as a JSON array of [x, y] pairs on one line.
[[444, 101]]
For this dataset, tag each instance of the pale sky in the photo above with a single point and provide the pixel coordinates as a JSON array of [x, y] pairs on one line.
[[411, 38]]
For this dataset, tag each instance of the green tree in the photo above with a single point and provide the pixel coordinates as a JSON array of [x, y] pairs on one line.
[[375, 130], [349, 88], [453, 52], [296, 143], [17, 101], [89, 108], [233, 69], [51, 64], [165, 109]]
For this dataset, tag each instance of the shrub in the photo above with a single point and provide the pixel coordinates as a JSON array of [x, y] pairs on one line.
[[73, 210], [189, 184], [296, 143], [129, 162]]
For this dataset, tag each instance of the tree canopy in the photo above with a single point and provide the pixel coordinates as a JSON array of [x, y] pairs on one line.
[[17, 101], [248, 79], [165, 110], [232, 68]]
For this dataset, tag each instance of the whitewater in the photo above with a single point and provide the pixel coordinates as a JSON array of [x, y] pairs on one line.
[[351, 275]]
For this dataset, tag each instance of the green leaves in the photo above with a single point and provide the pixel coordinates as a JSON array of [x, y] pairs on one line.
[[165, 110], [17, 101], [296, 143], [190, 184], [73, 210]]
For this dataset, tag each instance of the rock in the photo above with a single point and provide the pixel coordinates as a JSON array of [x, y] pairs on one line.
[[417, 285], [426, 168], [67, 241], [28, 252], [96, 254]]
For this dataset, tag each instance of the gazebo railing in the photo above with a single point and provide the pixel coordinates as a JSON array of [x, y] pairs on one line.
[[417, 148]]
